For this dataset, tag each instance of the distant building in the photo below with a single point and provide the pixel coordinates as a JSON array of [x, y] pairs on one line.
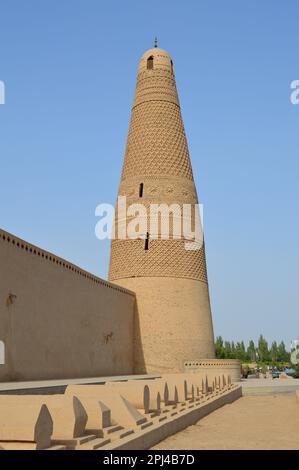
[[295, 351]]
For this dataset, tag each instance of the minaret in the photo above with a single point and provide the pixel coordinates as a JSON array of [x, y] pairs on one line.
[[173, 322]]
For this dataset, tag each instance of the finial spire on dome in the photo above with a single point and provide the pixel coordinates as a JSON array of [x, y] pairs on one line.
[[156, 41]]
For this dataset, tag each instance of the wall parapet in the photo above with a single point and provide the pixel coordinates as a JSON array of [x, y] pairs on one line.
[[59, 262], [213, 363], [216, 366]]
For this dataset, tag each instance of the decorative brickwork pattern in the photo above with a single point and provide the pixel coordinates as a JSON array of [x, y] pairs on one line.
[[156, 85], [165, 258], [157, 142], [157, 218]]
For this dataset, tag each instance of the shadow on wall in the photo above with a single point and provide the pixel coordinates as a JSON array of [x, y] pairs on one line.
[[138, 359]]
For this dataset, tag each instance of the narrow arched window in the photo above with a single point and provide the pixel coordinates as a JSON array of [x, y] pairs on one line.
[[171, 63], [150, 63], [141, 190], [146, 243]]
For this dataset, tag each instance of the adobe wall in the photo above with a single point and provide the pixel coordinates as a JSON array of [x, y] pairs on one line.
[[58, 321]]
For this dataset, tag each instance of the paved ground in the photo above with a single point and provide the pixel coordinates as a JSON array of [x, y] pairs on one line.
[[252, 422], [269, 386]]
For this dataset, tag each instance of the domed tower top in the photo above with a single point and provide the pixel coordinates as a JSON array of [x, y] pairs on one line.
[[156, 59]]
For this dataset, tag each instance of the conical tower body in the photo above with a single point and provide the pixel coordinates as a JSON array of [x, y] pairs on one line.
[[173, 316]]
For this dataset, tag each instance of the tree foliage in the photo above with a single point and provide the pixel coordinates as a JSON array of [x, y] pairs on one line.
[[253, 353]]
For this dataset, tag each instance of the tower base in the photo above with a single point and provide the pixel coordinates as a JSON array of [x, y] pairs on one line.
[[173, 323]]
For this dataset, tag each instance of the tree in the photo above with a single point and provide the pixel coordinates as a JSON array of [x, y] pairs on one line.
[[274, 352], [233, 351], [263, 350], [219, 349], [243, 350], [251, 351], [240, 351], [227, 350], [283, 355]]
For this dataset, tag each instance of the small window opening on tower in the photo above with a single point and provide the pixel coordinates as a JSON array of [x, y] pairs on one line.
[[146, 244], [141, 190], [171, 63], [150, 63]]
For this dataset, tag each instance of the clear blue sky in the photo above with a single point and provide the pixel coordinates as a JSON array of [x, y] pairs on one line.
[[70, 68]]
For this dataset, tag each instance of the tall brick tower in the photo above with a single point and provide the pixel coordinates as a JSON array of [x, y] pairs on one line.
[[173, 316]]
